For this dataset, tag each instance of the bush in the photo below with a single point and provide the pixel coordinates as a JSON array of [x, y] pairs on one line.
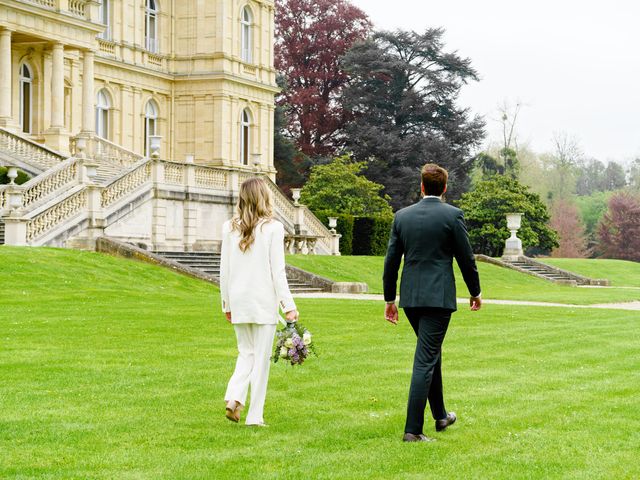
[[344, 227], [371, 235], [4, 179]]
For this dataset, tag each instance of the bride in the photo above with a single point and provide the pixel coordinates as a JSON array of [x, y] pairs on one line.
[[253, 284]]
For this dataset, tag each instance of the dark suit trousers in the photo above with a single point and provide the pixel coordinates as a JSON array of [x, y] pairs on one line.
[[430, 325]]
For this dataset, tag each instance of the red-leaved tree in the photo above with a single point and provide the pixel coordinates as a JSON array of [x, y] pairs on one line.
[[565, 219], [619, 230], [311, 37]]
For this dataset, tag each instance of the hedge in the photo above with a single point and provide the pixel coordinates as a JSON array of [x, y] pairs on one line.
[[360, 235], [371, 235], [4, 179]]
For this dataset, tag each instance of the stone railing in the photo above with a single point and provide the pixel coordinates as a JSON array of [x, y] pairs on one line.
[[42, 3], [28, 151], [107, 47], [53, 181], [67, 201], [102, 150], [317, 228], [174, 173], [46, 221], [76, 7], [126, 184], [155, 60], [209, 177]]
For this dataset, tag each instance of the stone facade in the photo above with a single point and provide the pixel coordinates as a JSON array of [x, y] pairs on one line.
[[88, 86]]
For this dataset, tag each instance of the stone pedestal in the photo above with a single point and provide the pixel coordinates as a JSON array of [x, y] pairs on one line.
[[15, 231]]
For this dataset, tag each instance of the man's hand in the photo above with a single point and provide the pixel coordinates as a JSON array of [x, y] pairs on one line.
[[228, 315], [476, 303], [291, 316], [391, 313]]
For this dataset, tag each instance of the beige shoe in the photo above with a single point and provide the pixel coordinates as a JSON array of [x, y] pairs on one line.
[[233, 411]]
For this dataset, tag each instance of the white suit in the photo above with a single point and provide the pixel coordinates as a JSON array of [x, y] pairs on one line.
[[253, 284]]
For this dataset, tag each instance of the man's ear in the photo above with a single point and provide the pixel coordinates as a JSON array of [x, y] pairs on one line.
[[422, 188], [445, 190]]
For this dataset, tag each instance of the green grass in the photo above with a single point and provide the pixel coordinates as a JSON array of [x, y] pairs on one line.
[[497, 282], [621, 273], [113, 369]]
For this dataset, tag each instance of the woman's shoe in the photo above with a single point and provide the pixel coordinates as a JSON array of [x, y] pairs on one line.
[[233, 411]]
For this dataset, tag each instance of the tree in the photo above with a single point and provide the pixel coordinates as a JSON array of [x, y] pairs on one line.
[[615, 177], [592, 209], [485, 210], [339, 187], [509, 151], [566, 157], [634, 174], [311, 37], [619, 230], [590, 177], [291, 164], [565, 219], [403, 94]]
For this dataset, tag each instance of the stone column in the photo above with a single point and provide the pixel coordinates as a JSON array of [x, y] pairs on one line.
[[55, 136], [57, 86], [88, 114], [5, 76]]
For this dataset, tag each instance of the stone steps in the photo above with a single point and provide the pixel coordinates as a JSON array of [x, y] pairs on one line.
[[544, 271], [209, 262], [1, 232]]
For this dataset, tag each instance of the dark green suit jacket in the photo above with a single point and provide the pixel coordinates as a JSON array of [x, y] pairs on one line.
[[429, 234]]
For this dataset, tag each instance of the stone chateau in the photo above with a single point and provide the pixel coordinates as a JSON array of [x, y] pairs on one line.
[[138, 120]]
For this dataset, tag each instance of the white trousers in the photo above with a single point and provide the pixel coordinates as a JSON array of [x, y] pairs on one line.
[[252, 368]]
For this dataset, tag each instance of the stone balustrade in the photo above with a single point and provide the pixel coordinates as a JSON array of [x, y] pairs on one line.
[[60, 200]]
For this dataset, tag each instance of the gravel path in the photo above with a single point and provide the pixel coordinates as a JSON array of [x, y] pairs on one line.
[[380, 298]]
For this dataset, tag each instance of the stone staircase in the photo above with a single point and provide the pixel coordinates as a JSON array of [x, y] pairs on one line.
[[1, 232], [544, 271], [209, 262]]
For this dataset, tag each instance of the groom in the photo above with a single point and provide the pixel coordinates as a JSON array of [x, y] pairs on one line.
[[429, 234]]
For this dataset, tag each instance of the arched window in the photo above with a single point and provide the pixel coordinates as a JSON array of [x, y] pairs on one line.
[[26, 98], [247, 41], [150, 124], [151, 26], [105, 19], [245, 136], [103, 104]]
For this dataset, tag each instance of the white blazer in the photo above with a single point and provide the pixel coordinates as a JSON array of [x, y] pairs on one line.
[[253, 284]]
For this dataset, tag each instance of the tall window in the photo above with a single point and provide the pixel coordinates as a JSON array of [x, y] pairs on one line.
[[245, 136], [150, 124], [151, 26], [103, 104], [105, 19], [247, 41], [26, 97]]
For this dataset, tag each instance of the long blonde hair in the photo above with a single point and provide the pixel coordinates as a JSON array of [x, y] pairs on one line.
[[254, 206]]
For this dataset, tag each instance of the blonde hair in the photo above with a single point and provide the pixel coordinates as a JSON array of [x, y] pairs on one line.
[[254, 206]]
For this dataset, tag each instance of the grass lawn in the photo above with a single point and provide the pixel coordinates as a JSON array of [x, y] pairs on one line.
[[113, 369], [620, 272], [497, 282]]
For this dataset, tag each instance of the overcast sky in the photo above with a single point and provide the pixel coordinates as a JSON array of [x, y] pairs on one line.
[[574, 64]]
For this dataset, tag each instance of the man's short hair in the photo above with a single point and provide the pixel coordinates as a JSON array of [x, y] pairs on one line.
[[434, 179]]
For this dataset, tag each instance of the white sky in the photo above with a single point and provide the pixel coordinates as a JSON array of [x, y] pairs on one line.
[[574, 64]]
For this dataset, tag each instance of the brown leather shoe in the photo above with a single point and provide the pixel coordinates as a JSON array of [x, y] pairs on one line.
[[445, 422], [410, 437], [233, 411]]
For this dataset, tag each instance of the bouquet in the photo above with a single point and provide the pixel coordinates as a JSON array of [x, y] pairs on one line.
[[293, 344]]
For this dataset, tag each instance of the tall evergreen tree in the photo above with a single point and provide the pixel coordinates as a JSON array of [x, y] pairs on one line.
[[403, 96]]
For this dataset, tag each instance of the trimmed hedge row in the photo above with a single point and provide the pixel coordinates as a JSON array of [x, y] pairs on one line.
[[360, 235]]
